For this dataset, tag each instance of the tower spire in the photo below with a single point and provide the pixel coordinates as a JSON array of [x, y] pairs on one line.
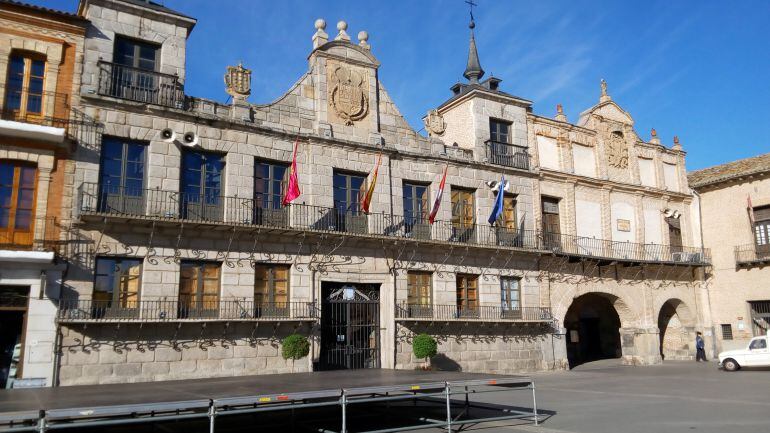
[[473, 70]]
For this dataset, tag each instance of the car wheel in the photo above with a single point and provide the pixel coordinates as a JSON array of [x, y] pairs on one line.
[[729, 364]]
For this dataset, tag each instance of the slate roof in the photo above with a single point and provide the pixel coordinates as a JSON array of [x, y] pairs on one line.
[[156, 6], [64, 14], [731, 170]]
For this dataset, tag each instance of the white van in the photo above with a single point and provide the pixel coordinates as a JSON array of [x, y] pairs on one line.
[[757, 354]]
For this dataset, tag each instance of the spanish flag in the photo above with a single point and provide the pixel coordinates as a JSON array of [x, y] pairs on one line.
[[367, 199], [292, 190]]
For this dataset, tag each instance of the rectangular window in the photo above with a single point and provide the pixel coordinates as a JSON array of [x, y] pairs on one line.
[[199, 289], [499, 131], [551, 225], [727, 331], [463, 215], [467, 295], [18, 185], [674, 234], [24, 89], [760, 317], [121, 176], [762, 231], [269, 183], [419, 288], [116, 286], [271, 284], [347, 190], [201, 185], [416, 211], [510, 293], [135, 53]]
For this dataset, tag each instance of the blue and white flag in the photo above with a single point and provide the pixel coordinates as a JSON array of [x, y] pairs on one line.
[[497, 209]]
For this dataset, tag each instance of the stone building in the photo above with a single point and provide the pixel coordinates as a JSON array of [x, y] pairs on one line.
[[40, 55], [735, 204], [184, 261]]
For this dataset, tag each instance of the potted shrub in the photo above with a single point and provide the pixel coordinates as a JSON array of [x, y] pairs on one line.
[[294, 347], [425, 347]]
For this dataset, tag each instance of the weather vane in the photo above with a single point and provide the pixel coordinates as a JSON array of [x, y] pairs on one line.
[[471, 5]]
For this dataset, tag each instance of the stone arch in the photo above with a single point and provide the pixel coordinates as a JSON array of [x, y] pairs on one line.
[[593, 323], [676, 325]]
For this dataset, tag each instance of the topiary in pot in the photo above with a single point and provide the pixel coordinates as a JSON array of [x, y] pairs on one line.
[[424, 346], [294, 347]]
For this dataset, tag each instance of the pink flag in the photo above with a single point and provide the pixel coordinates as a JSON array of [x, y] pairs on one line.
[[437, 203], [292, 190]]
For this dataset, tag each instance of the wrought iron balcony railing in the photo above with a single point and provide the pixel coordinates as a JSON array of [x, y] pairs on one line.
[[481, 313], [36, 107], [176, 206], [183, 310], [29, 234], [508, 155], [140, 85], [626, 251], [752, 253]]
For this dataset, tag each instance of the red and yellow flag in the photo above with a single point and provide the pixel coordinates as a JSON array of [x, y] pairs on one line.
[[367, 199], [437, 203], [292, 189]]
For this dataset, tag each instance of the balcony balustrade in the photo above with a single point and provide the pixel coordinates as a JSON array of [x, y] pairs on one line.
[[183, 310], [140, 85], [750, 254], [507, 155], [35, 107], [479, 313], [580, 246]]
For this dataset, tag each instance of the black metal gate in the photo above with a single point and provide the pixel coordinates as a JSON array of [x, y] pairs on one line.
[[350, 326]]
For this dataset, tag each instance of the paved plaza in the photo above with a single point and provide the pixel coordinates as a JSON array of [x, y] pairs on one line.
[[677, 396]]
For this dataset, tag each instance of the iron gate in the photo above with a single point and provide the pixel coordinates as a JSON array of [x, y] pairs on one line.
[[350, 326]]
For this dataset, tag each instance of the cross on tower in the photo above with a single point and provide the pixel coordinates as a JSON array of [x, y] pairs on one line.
[[471, 5]]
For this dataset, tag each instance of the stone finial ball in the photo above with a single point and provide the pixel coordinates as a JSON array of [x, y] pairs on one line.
[[363, 36], [342, 25], [320, 24]]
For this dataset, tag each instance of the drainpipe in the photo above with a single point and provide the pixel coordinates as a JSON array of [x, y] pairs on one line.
[[708, 293]]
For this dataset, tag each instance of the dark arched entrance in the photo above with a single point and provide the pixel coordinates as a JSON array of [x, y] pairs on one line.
[[593, 330], [673, 319]]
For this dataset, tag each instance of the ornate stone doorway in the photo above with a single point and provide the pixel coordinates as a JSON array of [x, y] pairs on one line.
[[593, 330]]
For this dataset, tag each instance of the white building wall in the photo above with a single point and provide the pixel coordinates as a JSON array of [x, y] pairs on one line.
[[548, 152], [584, 160]]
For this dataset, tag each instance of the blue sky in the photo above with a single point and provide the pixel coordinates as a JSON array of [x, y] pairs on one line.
[[699, 70]]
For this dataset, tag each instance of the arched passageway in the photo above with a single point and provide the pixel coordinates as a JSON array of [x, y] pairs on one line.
[[674, 319], [593, 329]]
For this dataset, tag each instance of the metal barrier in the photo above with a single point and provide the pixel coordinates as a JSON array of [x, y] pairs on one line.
[[752, 253], [483, 313], [35, 234], [182, 309]]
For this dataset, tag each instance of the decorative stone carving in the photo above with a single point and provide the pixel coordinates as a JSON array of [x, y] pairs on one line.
[[238, 82], [617, 151], [348, 94], [434, 123]]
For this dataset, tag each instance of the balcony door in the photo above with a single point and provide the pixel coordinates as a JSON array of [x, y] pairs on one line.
[[348, 215], [416, 211], [201, 194], [463, 215], [116, 287], [506, 226], [271, 291], [510, 297], [674, 235], [121, 176], [551, 225], [17, 203], [199, 284], [24, 89], [762, 231], [269, 184], [131, 75], [467, 295]]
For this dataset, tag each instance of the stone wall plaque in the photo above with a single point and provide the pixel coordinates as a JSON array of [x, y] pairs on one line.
[[624, 225]]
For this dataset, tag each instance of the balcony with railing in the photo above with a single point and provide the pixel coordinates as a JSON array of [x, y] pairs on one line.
[[49, 110], [507, 155], [752, 254], [19, 233], [183, 310], [585, 247], [140, 85], [173, 206], [479, 313]]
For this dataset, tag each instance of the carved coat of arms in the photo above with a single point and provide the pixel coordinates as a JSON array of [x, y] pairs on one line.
[[348, 96], [238, 81], [617, 151], [434, 123]]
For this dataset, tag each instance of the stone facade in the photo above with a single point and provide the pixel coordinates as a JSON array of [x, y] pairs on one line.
[[612, 210]]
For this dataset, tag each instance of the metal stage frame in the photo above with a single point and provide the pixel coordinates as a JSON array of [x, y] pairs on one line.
[[67, 408]]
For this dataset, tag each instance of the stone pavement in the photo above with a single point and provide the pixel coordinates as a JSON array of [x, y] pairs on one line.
[[678, 396]]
